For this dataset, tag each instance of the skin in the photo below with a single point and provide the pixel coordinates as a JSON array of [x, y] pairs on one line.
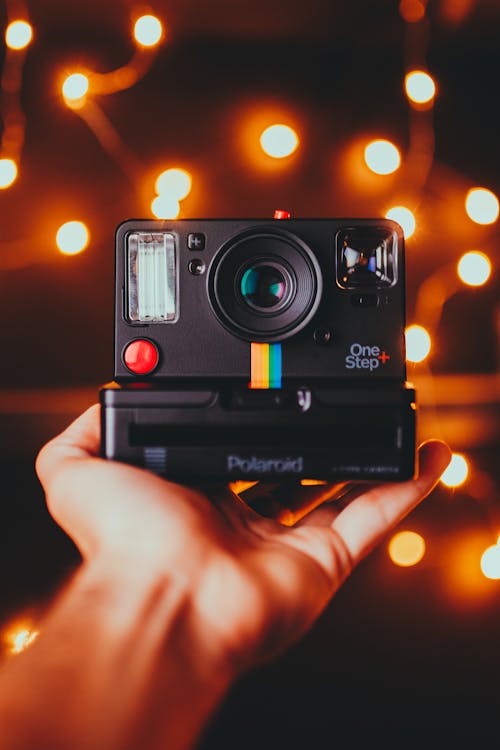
[[178, 594]]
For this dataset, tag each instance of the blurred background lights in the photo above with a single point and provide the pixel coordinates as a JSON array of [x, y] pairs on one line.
[[382, 157], [404, 217], [418, 343], [279, 141], [456, 472], [19, 637], [490, 562], [18, 34], [406, 548], [175, 182], [482, 206], [474, 268], [412, 11], [148, 30], [420, 87], [165, 207], [72, 237], [75, 87], [8, 172]]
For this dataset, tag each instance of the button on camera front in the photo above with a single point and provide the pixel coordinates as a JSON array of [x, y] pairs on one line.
[[141, 356], [196, 267], [196, 241], [323, 336]]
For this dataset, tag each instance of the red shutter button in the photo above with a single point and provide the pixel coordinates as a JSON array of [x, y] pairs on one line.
[[141, 356], [279, 214]]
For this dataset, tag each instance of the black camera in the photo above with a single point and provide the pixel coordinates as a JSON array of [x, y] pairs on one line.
[[261, 349]]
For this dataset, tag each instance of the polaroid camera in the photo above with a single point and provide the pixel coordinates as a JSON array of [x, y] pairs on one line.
[[261, 349]]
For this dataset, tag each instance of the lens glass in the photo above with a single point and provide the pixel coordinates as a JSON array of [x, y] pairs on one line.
[[263, 286]]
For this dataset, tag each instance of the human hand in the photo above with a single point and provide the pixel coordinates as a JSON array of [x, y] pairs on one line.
[[254, 585]]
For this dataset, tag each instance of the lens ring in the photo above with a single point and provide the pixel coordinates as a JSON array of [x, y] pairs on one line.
[[292, 257]]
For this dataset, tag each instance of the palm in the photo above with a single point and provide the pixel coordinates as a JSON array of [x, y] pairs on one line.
[[255, 584]]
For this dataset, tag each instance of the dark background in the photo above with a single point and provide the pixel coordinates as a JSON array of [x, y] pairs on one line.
[[402, 655]]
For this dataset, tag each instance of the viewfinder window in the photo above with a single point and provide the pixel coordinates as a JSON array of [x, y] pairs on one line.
[[366, 257]]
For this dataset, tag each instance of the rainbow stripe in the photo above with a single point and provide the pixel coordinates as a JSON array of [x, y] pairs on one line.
[[265, 365]]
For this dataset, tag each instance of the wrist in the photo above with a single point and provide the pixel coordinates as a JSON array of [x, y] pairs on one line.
[[153, 614]]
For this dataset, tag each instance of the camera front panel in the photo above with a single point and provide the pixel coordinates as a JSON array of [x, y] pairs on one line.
[[197, 299]]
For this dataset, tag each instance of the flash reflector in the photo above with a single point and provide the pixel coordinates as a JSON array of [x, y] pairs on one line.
[[151, 277]]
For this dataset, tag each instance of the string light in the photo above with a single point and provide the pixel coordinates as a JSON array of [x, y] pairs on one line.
[[406, 548], [279, 141], [474, 268], [456, 472], [19, 636], [8, 172], [404, 217], [72, 237], [418, 343], [165, 207], [148, 31], [382, 157], [18, 34], [482, 205], [75, 88], [174, 181], [412, 11], [420, 87], [490, 562]]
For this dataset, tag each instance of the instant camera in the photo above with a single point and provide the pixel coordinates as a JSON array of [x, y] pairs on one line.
[[260, 349]]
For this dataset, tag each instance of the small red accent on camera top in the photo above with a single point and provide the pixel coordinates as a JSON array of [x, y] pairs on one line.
[[141, 356], [279, 214]]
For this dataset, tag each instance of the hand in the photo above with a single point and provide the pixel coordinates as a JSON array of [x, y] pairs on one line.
[[254, 585]]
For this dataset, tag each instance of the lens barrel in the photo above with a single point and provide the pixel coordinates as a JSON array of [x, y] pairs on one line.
[[264, 285]]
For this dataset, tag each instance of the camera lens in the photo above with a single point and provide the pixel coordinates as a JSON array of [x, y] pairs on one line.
[[264, 284]]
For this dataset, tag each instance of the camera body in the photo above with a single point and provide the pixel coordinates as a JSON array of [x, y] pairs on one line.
[[261, 349]]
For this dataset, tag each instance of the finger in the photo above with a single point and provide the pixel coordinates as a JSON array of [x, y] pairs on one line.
[[289, 501], [239, 514], [327, 510], [365, 521], [80, 439]]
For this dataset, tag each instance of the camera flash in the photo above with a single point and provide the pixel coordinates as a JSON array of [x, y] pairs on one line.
[[151, 277]]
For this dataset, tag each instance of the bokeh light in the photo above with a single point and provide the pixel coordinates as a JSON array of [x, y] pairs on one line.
[[482, 205], [148, 30], [19, 636], [382, 156], [412, 11], [420, 87], [490, 562], [404, 217], [456, 472], [72, 237], [75, 87], [474, 268], [8, 172], [165, 207], [175, 182], [18, 34], [406, 548], [418, 343], [279, 141]]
